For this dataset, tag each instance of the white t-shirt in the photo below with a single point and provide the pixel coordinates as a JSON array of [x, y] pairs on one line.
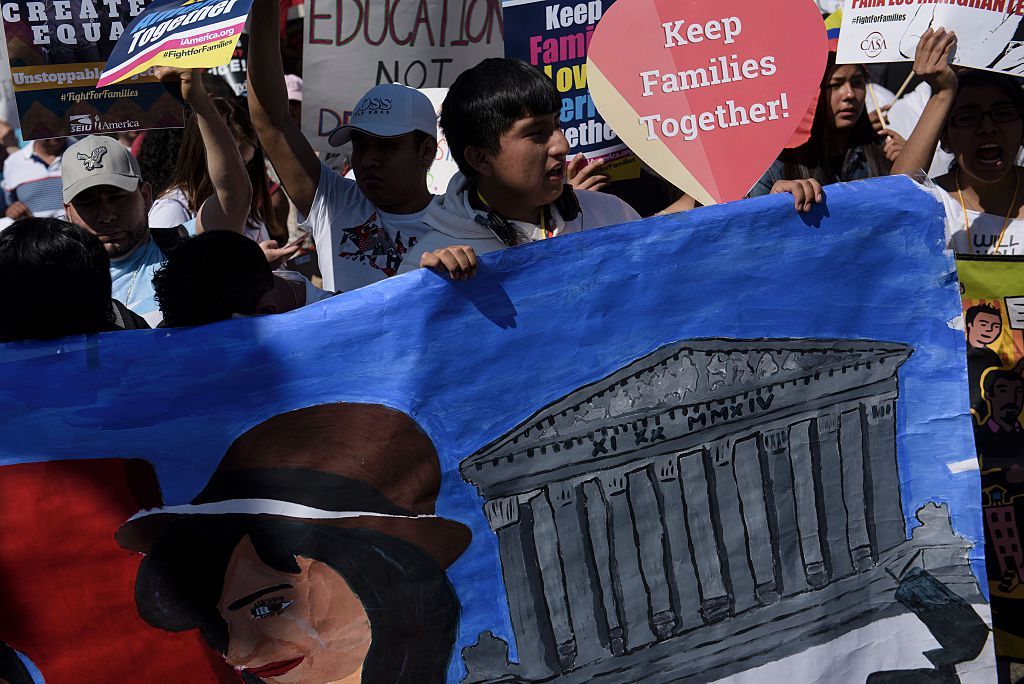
[[357, 243], [903, 118], [984, 229], [313, 293], [170, 210]]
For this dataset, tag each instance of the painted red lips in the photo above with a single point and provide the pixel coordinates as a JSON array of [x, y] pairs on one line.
[[276, 669]]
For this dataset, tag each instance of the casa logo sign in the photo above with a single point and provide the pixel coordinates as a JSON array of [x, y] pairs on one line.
[[873, 44]]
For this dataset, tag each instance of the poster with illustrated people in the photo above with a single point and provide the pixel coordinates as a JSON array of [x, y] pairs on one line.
[[626, 455], [57, 49], [993, 302]]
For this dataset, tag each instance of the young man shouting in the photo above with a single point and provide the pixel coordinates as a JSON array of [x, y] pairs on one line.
[[501, 120]]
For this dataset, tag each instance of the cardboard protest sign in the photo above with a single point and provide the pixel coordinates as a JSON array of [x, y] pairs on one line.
[[351, 46], [234, 72], [692, 467], [57, 50], [444, 166], [189, 34], [8, 105], [553, 36], [707, 94], [993, 303], [990, 34]]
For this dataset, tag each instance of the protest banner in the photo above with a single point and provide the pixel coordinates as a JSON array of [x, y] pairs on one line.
[[235, 71], [990, 34], [8, 105], [704, 461], [992, 290], [444, 166], [707, 94], [553, 36], [352, 45], [56, 53], [189, 34]]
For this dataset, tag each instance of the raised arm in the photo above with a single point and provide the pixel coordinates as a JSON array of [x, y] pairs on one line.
[[291, 154], [931, 62], [228, 207]]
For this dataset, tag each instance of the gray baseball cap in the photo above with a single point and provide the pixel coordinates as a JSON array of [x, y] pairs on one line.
[[98, 160]]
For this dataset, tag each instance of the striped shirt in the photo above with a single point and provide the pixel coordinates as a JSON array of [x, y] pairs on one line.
[[30, 180]]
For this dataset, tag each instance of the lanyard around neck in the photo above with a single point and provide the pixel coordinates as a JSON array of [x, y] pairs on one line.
[[1009, 212]]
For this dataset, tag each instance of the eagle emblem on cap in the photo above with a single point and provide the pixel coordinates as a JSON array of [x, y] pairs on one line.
[[93, 160]]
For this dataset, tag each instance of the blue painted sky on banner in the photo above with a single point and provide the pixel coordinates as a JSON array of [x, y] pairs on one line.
[[471, 360]]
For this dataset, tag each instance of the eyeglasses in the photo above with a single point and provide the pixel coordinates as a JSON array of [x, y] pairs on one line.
[[973, 117]]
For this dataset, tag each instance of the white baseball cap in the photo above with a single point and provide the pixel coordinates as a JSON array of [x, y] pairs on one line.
[[386, 111]]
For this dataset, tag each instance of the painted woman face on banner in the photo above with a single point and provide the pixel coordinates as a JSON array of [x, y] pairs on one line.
[[303, 627], [313, 554]]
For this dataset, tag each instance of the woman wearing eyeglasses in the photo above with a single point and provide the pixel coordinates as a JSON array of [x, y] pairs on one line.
[[976, 116]]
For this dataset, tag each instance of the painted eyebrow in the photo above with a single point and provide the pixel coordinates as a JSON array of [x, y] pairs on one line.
[[245, 600]]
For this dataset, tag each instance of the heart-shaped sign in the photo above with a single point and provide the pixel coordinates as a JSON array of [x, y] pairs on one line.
[[707, 92]]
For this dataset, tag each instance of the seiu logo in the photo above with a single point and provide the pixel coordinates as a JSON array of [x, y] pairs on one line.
[[373, 105], [873, 44]]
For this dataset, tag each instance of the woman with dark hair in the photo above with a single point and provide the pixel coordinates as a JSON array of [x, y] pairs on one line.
[[190, 184], [327, 603], [314, 552], [977, 116], [843, 145]]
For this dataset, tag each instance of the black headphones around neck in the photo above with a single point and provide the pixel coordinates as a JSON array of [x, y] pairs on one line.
[[567, 204]]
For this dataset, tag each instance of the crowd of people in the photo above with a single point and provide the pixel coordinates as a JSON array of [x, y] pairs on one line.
[[179, 228], [203, 224]]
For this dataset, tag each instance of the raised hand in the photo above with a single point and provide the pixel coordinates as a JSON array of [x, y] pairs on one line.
[[931, 62]]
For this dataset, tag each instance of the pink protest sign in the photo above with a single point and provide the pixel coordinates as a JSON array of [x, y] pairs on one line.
[[707, 92]]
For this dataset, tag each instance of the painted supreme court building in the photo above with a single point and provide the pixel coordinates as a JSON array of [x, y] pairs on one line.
[[707, 508]]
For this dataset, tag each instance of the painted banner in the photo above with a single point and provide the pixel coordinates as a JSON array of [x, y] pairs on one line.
[[554, 36], [990, 33], [993, 302], [710, 462], [190, 34], [352, 46], [57, 50], [707, 93]]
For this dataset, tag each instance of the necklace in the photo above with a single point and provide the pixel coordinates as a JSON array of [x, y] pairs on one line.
[[131, 286], [1009, 211]]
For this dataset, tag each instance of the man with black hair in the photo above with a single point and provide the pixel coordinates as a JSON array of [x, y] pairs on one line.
[[501, 120], [984, 325], [1000, 437], [219, 275], [362, 229], [56, 281]]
